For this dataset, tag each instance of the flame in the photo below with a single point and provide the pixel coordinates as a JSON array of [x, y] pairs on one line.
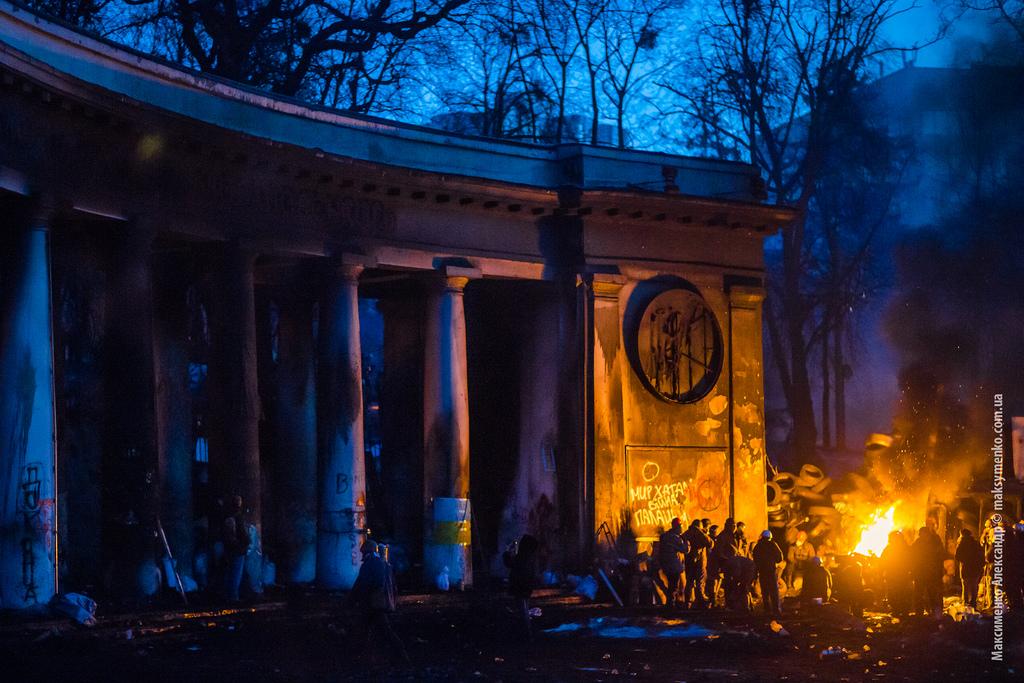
[[874, 536]]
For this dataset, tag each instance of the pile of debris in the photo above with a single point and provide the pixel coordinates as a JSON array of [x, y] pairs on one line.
[[811, 501]]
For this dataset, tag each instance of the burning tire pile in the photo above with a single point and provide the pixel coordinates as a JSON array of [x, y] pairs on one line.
[[811, 501]]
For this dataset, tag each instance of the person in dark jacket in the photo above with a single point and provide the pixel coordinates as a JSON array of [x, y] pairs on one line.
[[714, 572], [927, 555], [671, 549], [522, 577], [767, 557], [849, 586], [235, 536], [897, 573], [743, 547], [970, 562], [374, 594], [696, 563], [1013, 565], [817, 584], [798, 558]]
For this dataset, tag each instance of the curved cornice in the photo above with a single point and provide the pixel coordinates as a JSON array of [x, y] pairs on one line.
[[75, 63]]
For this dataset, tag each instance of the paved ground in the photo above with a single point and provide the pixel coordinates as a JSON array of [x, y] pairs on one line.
[[470, 637]]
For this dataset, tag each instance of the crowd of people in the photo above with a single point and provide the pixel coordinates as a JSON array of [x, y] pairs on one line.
[[704, 566]]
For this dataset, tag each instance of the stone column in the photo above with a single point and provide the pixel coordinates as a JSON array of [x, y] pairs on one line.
[[175, 440], [607, 358], [746, 406], [294, 468], [446, 430], [235, 450], [28, 553], [561, 242], [130, 462], [340, 430]]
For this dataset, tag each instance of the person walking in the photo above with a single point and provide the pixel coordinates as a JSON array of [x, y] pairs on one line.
[[375, 595], [522, 577], [767, 557]]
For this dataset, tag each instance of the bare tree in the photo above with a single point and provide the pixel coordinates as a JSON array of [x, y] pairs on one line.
[[273, 44], [1009, 12], [559, 44], [629, 33], [585, 16], [489, 84], [778, 73]]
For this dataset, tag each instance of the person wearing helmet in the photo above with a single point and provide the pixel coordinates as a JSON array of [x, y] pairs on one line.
[[767, 558]]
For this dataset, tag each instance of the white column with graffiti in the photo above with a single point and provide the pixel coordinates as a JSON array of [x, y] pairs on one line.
[[27, 518]]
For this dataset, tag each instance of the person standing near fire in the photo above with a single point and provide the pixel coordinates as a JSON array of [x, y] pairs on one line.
[[714, 572], [767, 558], [671, 549], [897, 574], [970, 562], [696, 564], [927, 555], [798, 557]]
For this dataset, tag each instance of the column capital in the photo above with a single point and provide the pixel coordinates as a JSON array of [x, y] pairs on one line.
[[43, 208], [349, 267], [457, 277], [746, 296], [607, 286]]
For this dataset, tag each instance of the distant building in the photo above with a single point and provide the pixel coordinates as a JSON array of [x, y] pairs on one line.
[[576, 128]]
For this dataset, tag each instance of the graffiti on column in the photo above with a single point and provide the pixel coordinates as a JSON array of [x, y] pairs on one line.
[[36, 515]]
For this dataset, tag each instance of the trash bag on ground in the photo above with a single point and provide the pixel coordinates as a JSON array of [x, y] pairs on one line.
[[587, 587], [443, 582], [76, 606]]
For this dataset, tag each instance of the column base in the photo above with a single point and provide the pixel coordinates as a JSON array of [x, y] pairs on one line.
[[339, 549], [448, 543]]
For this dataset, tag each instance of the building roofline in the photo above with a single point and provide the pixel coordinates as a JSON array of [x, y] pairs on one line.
[[62, 57]]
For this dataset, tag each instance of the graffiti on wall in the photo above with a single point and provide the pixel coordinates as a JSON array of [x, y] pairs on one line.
[[36, 516], [671, 481]]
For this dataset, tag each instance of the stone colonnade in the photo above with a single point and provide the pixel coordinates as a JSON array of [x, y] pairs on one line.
[[150, 419]]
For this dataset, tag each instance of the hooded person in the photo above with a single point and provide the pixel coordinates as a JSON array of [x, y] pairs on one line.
[[817, 583], [897, 573], [970, 563], [767, 558], [375, 596], [927, 555]]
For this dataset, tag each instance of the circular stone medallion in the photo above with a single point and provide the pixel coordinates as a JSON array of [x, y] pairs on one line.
[[679, 346]]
